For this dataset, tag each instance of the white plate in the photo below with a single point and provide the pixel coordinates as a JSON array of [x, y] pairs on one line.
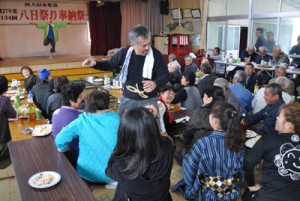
[[251, 142], [36, 180], [42, 130], [98, 80], [171, 107], [11, 92], [250, 134], [183, 119], [14, 97]]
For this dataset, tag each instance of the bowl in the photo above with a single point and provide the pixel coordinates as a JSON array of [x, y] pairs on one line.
[[292, 67], [27, 130]]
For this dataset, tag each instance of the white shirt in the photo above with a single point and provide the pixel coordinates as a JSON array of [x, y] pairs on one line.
[[258, 102]]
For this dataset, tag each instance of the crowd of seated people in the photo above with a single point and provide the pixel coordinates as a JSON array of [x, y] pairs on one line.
[[137, 150]]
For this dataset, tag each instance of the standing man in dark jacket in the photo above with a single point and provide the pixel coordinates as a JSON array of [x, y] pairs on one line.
[[143, 72], [273, 98], [261, 40]]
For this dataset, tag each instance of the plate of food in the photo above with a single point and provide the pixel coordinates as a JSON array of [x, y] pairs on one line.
[[11, 92], [250, 134], [251, 142], [12, 98], [44, 179], [42, 130], [98, 80], [171, 107]]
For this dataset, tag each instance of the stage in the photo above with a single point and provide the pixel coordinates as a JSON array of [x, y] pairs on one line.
[[13, 65]]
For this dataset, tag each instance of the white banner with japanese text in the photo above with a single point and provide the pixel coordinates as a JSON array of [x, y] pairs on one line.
[[25, 12]]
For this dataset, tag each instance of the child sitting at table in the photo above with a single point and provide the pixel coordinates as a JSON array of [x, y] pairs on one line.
[[142, 160], [166, 95], [97, 132], [214, 165]]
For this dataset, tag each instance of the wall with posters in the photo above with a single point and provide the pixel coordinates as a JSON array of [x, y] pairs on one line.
[[21, 39]]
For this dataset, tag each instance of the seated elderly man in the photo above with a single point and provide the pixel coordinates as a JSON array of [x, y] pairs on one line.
[[175, 74], [279, 57], [249, 54], [207, 79], [172, 57], [189, 64], [258, 102], [243, 95], [281, 71], [273, 98], [262, 56], [229, 96], [251, 78]]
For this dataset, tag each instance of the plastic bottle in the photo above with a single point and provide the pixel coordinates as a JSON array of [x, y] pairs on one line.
[[230, 59], [16, 104], [31, 111], [256, 88], [105, 79], [244, 125], [30, 97], [270, 62]]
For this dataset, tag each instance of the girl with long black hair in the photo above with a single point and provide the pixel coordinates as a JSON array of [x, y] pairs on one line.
[[142, 160]]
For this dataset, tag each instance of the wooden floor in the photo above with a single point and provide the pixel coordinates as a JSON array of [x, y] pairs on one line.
[[9, 62]]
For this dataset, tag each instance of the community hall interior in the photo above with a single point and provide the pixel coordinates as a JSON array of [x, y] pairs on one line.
[[96, 29]]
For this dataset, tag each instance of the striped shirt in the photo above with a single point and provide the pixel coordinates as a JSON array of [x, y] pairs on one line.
[[210, 156]]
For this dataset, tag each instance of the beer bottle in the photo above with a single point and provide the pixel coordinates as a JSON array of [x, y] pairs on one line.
[[244, 124], [256, 88]]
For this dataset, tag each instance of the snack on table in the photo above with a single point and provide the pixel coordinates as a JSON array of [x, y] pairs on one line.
[[43, 129], [43, 179]]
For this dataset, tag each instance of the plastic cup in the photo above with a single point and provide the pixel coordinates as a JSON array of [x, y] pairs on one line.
[[38, 114], [32, 118]]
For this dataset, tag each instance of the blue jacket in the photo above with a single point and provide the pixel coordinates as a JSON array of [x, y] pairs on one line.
[[268, 114], [192, 67], [243, 95], [97, 139]]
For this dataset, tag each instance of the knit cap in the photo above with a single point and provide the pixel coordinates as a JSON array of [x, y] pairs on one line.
[[43, 73]]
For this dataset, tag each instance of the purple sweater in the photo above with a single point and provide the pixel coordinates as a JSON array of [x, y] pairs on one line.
[[61, 118], [6, 111]]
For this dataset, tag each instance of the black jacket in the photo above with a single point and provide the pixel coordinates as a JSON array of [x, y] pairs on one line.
[[207, 81]]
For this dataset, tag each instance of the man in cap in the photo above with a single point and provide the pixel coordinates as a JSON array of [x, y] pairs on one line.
[[42, 88]]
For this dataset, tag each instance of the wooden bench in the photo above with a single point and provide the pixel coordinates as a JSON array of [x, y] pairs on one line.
[[73, 74]]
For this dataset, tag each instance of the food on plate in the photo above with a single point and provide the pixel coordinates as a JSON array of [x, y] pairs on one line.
[[251, 142], [250, 134], [256, 138], [43, 129], [43, 179]]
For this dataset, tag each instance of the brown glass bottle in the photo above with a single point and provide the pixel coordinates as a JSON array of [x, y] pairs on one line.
[[244, 125]]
